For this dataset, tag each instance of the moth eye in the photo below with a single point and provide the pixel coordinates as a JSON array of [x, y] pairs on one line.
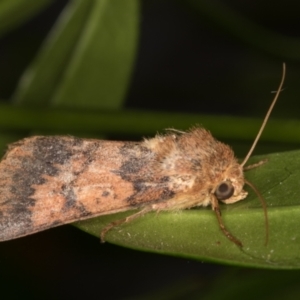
[[224, 191]]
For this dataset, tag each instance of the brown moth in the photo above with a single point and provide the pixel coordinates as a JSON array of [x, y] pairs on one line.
[[50, 181]]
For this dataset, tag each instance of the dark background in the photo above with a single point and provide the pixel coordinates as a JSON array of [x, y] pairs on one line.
[[188, 63]]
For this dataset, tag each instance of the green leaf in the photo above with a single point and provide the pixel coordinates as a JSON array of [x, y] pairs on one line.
[[40, 80], [87, 59], [14, 12], [195, 233], [100, 69], [283, 131]]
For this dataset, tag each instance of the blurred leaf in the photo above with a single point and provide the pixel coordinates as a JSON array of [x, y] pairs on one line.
[[14, 12], [40, 80], [100, 70], [195, 233], [87, 61], [143, 123]]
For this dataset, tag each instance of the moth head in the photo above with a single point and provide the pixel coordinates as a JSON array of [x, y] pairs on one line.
[[229, 192], [229, 188]]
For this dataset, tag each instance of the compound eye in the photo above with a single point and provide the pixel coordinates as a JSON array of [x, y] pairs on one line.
[[224, 191]]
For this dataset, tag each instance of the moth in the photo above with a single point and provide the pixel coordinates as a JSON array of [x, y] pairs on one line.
[[50, 181]]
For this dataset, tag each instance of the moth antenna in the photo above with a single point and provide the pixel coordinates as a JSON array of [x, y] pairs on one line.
[[266, 117], [264, 205]]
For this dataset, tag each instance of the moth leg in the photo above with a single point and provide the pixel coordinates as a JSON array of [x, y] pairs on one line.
[[216, 209], [258, 164], [125, 220]]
